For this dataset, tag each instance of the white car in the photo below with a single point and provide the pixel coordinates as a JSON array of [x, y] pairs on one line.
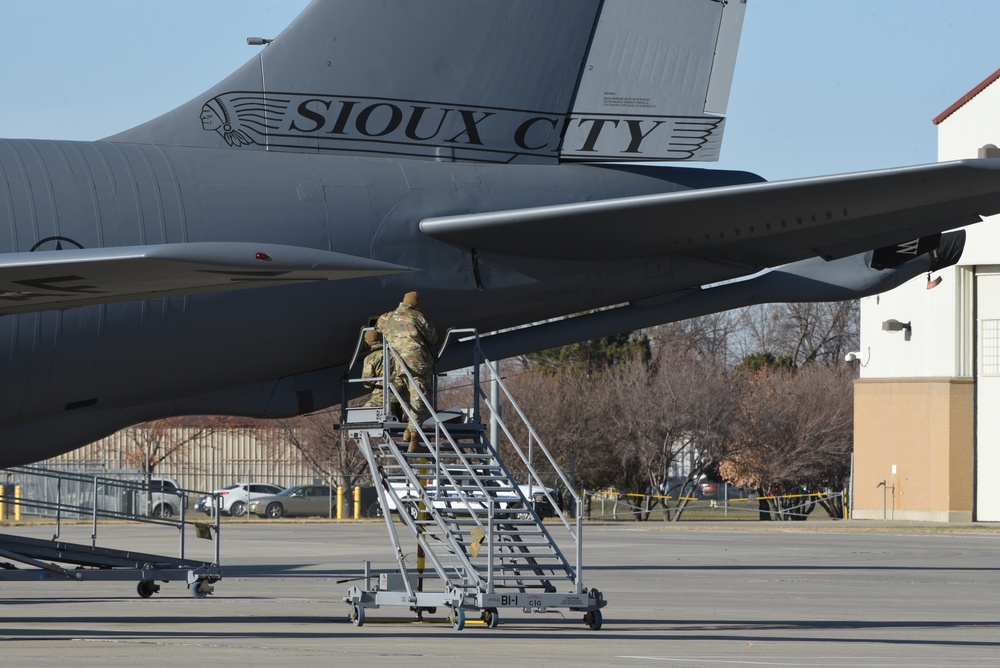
[[234, 499]]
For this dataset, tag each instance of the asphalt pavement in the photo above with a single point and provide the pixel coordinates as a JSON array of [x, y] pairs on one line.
[[688, 594]]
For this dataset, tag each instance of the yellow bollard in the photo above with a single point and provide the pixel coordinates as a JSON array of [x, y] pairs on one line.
[[17, 503], [3, 502], [357, 502], [340, 502]]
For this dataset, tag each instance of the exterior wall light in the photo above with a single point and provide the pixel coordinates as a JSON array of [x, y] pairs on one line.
[[895, 326]]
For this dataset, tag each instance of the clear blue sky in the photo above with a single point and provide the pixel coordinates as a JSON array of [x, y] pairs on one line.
[[821, 87]]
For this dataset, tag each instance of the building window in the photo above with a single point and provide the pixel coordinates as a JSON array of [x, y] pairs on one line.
[[990, 347]]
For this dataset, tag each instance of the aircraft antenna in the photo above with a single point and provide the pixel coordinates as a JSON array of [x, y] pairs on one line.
[[262, 41]]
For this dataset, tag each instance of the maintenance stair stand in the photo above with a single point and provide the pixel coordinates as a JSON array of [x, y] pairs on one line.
[[479, 529]]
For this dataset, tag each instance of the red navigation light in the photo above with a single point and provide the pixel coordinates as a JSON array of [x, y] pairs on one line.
[[263, 256]]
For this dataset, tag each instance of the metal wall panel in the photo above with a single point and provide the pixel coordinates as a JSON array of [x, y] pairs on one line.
[[988, 398], [227, 456], [930, 348]]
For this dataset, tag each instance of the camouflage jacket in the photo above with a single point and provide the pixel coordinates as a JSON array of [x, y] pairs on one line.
[[372, 368], [411, 336]]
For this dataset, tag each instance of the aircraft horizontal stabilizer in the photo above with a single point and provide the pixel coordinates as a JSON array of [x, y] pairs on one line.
[[805, 281], [753, 225], [77, 277]]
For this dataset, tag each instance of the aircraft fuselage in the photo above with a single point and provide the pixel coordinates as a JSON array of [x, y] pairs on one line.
[[72, 376]]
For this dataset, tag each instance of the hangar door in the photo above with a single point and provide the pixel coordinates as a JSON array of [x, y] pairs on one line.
[[987, 501]]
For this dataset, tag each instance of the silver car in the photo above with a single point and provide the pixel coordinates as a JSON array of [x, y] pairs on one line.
[[297, 501], [233, 499]]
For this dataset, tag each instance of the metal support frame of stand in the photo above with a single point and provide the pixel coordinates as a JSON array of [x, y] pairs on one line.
[[463, 507], [91, 562]]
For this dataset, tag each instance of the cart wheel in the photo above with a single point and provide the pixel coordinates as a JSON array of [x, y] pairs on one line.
[[457, 618], [491, 617], [593, 619], [357, 615], [201, 589], [146, 588]]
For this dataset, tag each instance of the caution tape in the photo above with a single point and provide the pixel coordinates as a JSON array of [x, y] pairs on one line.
[[616, 495], [799, 496]]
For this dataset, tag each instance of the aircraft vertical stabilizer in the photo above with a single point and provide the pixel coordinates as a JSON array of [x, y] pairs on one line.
[[657, 74], [529, 81], [435, 79]]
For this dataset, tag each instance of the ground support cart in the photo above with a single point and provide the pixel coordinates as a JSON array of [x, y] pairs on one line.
[[78, 496]]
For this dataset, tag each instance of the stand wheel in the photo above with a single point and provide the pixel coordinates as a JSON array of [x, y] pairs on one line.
[[146, 588], [457, 618], [358, 615], [491, 617], [201, 588], [593, 619]]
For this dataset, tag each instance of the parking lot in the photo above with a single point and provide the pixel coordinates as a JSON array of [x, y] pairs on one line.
[[713, 593]]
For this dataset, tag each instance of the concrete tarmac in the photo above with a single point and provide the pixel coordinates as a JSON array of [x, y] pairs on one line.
[[693, 594]]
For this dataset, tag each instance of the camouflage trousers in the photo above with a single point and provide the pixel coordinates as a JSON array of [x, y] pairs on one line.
[[377, 398], [412, 393]]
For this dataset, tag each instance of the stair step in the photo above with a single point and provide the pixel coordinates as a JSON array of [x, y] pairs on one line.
[[518, 527], [457, 522], [463, 533]]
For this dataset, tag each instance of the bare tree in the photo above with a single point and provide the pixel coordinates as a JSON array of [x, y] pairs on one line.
[[648, 423], [148, 444], [759, 329], [794, 430], [808, 332], [821, 332], [708, 337], [327, 450], [678, 403], [624, 423], [569, 411]]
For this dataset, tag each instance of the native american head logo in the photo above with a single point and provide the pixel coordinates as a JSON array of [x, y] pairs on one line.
[[242, 118]]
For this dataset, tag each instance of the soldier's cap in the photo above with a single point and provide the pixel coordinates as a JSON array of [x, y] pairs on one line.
[[412, 298], [372, 336]]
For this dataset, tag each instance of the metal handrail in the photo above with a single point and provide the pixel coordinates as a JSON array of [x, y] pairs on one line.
[[60, 506], [534, 441]]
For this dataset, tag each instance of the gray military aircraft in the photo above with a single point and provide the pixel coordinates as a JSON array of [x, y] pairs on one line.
[[491, 154]]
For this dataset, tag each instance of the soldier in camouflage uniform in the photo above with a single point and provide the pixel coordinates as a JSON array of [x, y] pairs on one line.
[[372, 368], [410, 334]]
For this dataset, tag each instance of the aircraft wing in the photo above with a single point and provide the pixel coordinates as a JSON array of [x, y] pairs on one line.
[[64, 278], [754, 225]]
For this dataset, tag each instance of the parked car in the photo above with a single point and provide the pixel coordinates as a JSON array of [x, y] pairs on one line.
[[233, 500], [297, 501], [678, 486], [164, 497], [717, 491]]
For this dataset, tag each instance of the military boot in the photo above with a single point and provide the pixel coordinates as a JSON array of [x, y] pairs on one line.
[[416, 444]]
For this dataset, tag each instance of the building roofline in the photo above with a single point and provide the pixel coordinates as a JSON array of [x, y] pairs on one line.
[[965, 98]]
